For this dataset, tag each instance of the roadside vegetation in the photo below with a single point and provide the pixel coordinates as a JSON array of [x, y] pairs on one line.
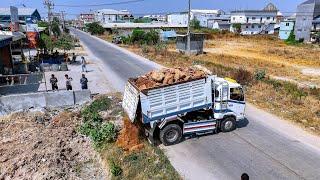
[[279, 77], [125, 156], [95, 28]]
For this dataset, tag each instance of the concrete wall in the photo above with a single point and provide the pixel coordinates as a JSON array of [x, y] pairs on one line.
[[18, 102]]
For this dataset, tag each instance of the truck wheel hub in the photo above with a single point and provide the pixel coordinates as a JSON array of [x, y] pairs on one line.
[[172, 135], [228, 125]]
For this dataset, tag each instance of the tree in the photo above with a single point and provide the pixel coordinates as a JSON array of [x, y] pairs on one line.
[[137, 35], [95, 28], [195, 23], [65, 42], [45, 42], [291, 39], [55, 29], [237, 27], [43, 24]]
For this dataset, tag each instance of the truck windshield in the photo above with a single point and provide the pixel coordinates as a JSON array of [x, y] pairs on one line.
[[236, 94]]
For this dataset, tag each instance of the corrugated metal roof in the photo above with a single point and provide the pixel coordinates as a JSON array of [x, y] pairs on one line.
[[112, 11], [311, 2], [21, 11]]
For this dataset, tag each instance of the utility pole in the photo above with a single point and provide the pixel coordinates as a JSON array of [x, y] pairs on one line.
[[49, 4], [188, 33], [62, 15]]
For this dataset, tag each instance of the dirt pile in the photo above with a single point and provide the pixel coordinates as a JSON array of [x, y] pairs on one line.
[[129, 138], [168, 76], [46, 145]]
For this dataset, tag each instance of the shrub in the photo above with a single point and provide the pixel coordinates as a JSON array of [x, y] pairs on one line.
[[115, 169], [260, 75], [151, 37], [161, 48], [95, 28], [243, 76], [291, 39], [145, 48], [137, 36]]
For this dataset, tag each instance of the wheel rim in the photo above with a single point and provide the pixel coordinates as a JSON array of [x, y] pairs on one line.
[[172, 135], [228, 125]]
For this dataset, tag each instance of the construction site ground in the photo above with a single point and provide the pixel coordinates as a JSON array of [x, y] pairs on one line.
[[46, 145]]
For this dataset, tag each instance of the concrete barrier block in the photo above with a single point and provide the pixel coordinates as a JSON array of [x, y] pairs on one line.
[[21, 102], [59, 98], [82, 96]]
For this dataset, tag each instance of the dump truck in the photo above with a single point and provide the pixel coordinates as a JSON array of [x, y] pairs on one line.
[[169, 112]]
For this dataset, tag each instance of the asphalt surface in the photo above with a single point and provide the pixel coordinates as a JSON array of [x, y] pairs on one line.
[[261, 146]]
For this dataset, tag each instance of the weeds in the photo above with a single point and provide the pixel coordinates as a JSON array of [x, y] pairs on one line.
[[115, 169], [260, 74], [93, 126]]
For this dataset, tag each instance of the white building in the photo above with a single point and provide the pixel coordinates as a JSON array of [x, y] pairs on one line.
[[110, 16], [156, 17], [201, 15], [254, 21]]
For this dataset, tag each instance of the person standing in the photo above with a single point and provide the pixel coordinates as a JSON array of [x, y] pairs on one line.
[[68, 82], [54, 82], [84, 82], [74, 57], [83, 64]]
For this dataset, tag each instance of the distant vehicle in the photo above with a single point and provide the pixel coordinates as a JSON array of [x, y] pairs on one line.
[[198, 106], [117, 40]]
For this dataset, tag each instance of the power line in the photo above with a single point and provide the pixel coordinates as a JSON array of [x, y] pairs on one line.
[[105, 4]]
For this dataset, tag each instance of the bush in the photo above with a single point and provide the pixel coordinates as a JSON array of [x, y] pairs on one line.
[[243, 76], [93, 126], [141, 37], [291, 39], [151, 37], [115, 169], [260, 75], [160, 48], [137, 36], [95, 28]]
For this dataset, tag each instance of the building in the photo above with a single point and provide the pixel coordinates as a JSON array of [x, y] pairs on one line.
[[220, 23], [6, 65], [307, 12], [248, 22], [156, 17], [87, 17], [203, 15], [196, 43], [104, 16], [178, 18], [315, 31], [199, 14], [23, 14], [286, 27]]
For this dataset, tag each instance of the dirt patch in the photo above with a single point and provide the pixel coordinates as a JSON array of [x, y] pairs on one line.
[[129, 138], [46, 145]]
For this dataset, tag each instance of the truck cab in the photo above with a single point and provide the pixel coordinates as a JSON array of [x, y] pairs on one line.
[[228, 99]]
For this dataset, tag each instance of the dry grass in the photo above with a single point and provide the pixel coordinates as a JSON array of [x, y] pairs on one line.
[[304, 112]]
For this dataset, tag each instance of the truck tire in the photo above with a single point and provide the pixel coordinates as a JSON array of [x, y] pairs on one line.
[[228, 124], [171, 134]]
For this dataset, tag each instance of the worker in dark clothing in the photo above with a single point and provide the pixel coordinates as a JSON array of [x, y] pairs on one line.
[[244, 176], [54, 82], [84, 82], [74, 57], [68, 82]]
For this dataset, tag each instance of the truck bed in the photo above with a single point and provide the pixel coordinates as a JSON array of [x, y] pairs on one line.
[[162, 102]]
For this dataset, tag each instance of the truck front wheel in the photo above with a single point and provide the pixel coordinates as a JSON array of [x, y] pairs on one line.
[[228, 124], [171, 134]]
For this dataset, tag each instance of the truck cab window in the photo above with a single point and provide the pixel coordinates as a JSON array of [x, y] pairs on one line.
[[236, 94]]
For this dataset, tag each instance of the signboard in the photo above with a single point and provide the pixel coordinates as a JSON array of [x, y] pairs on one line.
[[14, 25], [32, 28]]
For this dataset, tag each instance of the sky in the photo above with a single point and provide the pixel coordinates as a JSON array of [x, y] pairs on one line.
[[154, 6]]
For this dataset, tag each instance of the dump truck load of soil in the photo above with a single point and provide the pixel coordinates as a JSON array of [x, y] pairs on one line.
[[168, 76], [129, 138]]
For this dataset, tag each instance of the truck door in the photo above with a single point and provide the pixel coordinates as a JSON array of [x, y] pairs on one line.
[[236, 102]]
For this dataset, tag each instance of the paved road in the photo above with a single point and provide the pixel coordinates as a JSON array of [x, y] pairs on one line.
[[265, 147]]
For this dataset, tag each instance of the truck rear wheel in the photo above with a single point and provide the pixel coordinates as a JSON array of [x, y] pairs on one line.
[[171, 134], [228, 124]]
